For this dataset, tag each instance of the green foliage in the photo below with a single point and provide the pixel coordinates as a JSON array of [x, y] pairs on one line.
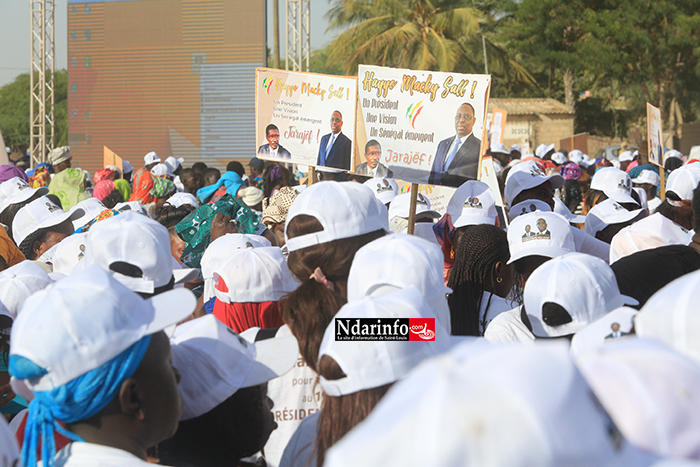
[[15, 116], [440, 35]]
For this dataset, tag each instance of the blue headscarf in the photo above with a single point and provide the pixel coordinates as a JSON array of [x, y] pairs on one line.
[[231, 180], [76, 400]]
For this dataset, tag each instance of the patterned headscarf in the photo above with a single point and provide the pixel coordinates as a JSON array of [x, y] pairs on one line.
[[195, 228], [105, 174], [276, 207], [40, 178], [69, 186], [162, 188], [570, 171]]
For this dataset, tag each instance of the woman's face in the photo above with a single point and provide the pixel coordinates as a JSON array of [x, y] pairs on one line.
[[54, 236], [177, 245]]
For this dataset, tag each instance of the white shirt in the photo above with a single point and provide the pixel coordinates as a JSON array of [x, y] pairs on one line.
[[507, 327], [300, 451], [496, 306], [95, 455]]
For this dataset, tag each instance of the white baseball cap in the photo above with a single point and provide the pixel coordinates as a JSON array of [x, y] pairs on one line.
[[472, 203], [599, 333], [626, 156], [527, 175], [92, 207], [515, 406], [651, 232], [136, 251], [344, 210], [671, 316], [84, 321], [516, 147], [651, 392], [370, 364], [615, 183], [251, 195], [576, 155], [647, 176], [673, 153], [559, 158], [181, 199], [543, 149], [173, 163], [151, 158], [215, 362], [499, 148], [18, 283], [401, 206], [41, 213], [607, 213], [398, 261], [220, 250], [525, 239], [385, 189], [127, 167], [161, 170], [15, 190], [683, 181], [69, 252], [560, 208], [254, 275], [585, 286], [527, 206]]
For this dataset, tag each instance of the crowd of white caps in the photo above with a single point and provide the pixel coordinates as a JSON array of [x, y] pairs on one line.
[[536, 354]]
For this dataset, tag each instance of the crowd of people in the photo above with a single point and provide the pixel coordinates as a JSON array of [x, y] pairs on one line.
[[183, 316]]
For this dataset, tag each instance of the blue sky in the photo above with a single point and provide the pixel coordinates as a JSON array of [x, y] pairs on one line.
[[15, 34]]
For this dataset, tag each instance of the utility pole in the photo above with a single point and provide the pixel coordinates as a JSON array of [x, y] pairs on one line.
[[41, 81], [297, 32]]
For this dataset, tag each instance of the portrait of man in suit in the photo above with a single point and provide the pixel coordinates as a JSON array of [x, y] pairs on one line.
[[457, 157], [273, 147], [334, 150], [373, 168], [542, 227], [616, 333]]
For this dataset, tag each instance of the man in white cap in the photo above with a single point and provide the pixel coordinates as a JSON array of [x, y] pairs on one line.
[[60, 158], [625, 158], [500, 155], [649, 181], [143, 180], [515, 151]]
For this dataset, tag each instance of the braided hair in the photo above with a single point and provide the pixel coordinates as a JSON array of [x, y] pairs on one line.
[[478, 251]]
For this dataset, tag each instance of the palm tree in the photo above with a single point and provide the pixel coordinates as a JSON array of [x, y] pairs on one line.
[[439, 35]]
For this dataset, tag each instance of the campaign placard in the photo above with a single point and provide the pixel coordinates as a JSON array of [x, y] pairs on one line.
[[420, 126], [305, 118], [654, 136]]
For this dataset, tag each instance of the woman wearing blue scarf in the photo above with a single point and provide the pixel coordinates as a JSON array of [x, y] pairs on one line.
[[97, 361]]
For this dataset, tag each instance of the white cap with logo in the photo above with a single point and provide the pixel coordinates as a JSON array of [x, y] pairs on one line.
[[151, 158], [626, 156], [647, 176], [539, 234], [385, 189], [16, 190], [370, 364], [40, 214], [615, 183], [683, 181], [527, 206], [472, 203], [344, 209], [527, 175]]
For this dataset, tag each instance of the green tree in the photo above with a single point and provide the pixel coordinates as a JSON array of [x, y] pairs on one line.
[[14, 111], [440, 35], [650, 46]]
